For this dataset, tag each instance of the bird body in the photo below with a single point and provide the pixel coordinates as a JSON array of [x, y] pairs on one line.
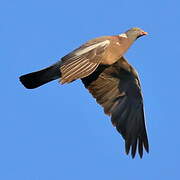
[[111, 80]]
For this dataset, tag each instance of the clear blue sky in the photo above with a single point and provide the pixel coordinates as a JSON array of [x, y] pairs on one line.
[[59, 132]]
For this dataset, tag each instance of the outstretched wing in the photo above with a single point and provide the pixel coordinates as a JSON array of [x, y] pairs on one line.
[[117, 89], [84, 60]]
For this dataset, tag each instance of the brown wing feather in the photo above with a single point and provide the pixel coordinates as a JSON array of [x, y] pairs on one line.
[[83, 61], [117, 89], [77, 69]]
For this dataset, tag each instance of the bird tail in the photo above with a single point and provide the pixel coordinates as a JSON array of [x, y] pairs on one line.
[[38, 78]]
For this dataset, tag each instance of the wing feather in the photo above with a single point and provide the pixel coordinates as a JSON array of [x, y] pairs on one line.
[[117, 90], [83, 61], [82, 69]]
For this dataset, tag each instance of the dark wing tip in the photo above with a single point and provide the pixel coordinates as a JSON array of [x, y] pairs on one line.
[[132, 146], [131, 126], [127, 147], [146, 144], [133, 149]]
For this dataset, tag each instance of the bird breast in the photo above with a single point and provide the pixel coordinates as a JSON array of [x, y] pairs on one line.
[[116, 50]]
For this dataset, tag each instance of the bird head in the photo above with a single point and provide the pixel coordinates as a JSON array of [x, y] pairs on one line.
[[135, 33]]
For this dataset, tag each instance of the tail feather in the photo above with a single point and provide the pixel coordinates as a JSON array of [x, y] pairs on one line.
[[38, 78]]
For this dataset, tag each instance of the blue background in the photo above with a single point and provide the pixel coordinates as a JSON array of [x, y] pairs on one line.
[[59, 132]]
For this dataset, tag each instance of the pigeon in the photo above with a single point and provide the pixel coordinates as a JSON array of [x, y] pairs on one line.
[[112, 81]]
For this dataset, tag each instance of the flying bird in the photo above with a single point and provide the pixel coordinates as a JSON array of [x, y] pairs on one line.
[[111, 80]]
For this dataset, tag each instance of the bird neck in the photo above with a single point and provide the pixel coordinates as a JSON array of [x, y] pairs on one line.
[[131, 36]]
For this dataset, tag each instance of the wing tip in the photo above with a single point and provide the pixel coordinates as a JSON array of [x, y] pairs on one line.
[[132, 147]]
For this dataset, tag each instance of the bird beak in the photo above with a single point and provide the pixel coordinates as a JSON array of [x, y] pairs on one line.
[[144, 33]]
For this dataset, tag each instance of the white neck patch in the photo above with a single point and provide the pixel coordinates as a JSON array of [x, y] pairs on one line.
[[87, 49], [123, 35]]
